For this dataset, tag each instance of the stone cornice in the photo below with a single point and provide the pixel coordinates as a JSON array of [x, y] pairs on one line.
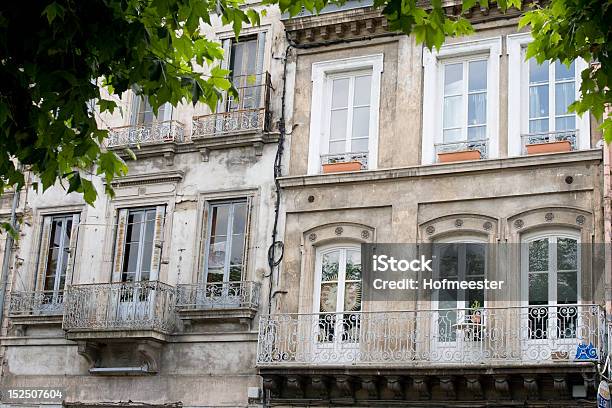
[[171, 176]]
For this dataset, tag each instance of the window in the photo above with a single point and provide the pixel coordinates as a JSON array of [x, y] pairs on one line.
[[460, 100], [139, 242], [226, 242], [56, 254], [465, 85], [142, 112], [552, 88], [538, 100], [552, 269], [339, 295], [344, 112]]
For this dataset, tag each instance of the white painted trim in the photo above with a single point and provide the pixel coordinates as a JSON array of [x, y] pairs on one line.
[[320, 73], [432, 95], [518, 102]]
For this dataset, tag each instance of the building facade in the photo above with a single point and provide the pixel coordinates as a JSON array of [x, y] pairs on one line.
[[224, 273]]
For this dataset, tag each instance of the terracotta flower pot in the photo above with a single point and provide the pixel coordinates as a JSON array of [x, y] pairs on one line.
[[464, 155], [341, 167], [476, 318], [549, 147]]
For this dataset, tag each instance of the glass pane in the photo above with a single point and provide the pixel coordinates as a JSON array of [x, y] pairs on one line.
[[329, 266], [567, 254], [477, 80], [361, 121], [352, 296], [477, 133], [449, 260], [147, 253], [337, 147], [477, 109], [214, 275], [134, 225], [56, 233], [565, 123], [538, 288], [562, 72], [237, 254], [150, 226], [453, 79], [538, 101], [538, 73], [565, 94], [362, 90], [538, 255], [538, 126], [220, 214], [567, 287], [340, 89], [130, 257], [337, 129], [452, 135], [452, 111], [235, 273], [239, 226], [359, 145], [216, 252], [329, 295], [353, 265], [475, 259]]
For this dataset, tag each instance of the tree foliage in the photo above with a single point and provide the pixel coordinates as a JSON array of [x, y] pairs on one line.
[[54, 55]]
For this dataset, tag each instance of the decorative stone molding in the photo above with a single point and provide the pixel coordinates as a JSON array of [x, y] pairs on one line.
[[449, 225], [171, 176], [564, 217], [530, 383]]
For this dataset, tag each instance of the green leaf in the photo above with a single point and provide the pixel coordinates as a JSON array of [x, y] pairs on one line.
[[52, 11]]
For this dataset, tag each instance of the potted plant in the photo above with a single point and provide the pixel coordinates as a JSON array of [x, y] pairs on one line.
[[549, 147], [475, 312], [341, 166], [463, 155]]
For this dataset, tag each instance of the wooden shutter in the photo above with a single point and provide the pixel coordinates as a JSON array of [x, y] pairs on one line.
[[261, 52], [74, 232], [247, 237], [158, 242], [120, 237], [43, 252]]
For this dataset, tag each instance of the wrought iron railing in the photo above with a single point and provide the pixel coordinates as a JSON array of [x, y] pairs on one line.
[[533, 335], [153, 133], [549, 137], [222, 295], [467, 145], [248, 113], [36, 303], [361, 157], [144, 305]]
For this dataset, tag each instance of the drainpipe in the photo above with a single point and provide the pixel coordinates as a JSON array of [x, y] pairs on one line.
[[8, 251]]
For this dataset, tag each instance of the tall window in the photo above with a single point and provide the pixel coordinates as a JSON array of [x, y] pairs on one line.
[[349, 112], [225, 242], [58, 238], [552, 88], [465, 101], [552, 268], [142, 112], [245, 61], [139, 242], [339, 270]]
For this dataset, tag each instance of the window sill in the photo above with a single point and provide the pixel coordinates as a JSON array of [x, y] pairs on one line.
[[246, 138]]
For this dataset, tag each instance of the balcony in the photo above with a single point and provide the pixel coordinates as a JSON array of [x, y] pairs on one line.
[[490, 347], [549, 142], [462, 151], [38, 307], [142, 309], [154, 139], [219, 301], [343, 162], [239, 122]]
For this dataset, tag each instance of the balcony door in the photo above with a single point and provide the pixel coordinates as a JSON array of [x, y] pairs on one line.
[[138, 253], [459, 319], [551, 271], [224, 266], [55, 261], [337, 304]]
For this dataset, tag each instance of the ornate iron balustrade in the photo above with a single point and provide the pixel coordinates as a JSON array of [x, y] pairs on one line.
[[466, 145], [144, 305], [248, 113], [533, 335], [549, 137], [36, 303], [154, 133], [222, 295], [361, 157]]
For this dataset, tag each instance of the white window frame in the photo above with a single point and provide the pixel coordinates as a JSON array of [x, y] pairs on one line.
[[322, 74], [518, 102], [135, 110], [433, 91]]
